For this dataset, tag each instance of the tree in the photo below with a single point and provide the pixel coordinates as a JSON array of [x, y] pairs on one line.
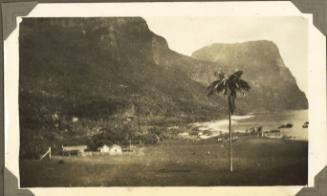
[[229, 86]]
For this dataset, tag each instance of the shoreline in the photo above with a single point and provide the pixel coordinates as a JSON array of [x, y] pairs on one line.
[[268, 122]]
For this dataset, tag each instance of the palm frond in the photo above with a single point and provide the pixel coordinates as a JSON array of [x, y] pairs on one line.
[[211, 88], [229, 86], [220, 75], [217, 86], [221, 86], [235, 76], [243, 85]]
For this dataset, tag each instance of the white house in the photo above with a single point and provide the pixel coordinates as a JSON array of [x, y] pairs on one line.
[[115, 150], [104, 149], [75, 119]]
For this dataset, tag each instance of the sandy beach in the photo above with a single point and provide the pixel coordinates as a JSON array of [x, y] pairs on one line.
[[268, 121]]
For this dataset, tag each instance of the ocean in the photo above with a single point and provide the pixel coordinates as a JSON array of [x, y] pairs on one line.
[[268, 121]]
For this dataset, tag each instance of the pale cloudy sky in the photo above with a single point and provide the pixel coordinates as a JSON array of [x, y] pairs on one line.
[[187, 34]]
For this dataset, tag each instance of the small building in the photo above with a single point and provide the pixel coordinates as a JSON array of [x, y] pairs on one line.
[[73, 150], [115, 150], [104, 149], [75, 119]]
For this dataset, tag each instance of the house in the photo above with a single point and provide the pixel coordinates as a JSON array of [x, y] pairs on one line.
[[115, 150], [73, 150], [104, 149], [75, 119]]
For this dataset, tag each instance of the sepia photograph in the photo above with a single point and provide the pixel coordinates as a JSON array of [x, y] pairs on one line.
[[163, 101]]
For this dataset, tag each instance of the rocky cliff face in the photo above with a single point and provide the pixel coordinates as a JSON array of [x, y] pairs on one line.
[[273, 86], [197, 70], [98, 67]]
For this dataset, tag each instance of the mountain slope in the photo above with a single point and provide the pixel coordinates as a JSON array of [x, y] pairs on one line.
[[109, 61], [95, 70], [273, 86]]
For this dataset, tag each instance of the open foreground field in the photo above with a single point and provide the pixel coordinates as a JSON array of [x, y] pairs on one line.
[[257, 161]]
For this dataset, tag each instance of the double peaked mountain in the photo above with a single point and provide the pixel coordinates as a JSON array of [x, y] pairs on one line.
[[95, 68]]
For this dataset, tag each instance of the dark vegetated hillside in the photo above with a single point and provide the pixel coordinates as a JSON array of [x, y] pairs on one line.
[[96, 69]]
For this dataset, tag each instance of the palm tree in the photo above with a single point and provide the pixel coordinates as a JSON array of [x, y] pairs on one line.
[[229, 86]]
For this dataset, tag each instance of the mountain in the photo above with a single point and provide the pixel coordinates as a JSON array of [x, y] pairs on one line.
[[197, 70], [77, 65], [81, 77], [273, 85], [96, 70]]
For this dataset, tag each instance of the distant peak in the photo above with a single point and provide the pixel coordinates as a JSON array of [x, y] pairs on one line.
[[255, 45], [254, 42]]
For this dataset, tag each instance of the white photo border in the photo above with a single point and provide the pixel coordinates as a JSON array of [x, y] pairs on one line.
[[316, 83]]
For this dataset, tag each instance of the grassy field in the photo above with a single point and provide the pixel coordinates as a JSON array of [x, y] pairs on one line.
[[257, 161]]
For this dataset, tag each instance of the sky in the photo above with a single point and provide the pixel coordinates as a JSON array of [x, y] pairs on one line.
[[289, 33]]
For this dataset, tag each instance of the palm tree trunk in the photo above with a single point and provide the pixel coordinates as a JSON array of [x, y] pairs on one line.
[[230, 141]]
